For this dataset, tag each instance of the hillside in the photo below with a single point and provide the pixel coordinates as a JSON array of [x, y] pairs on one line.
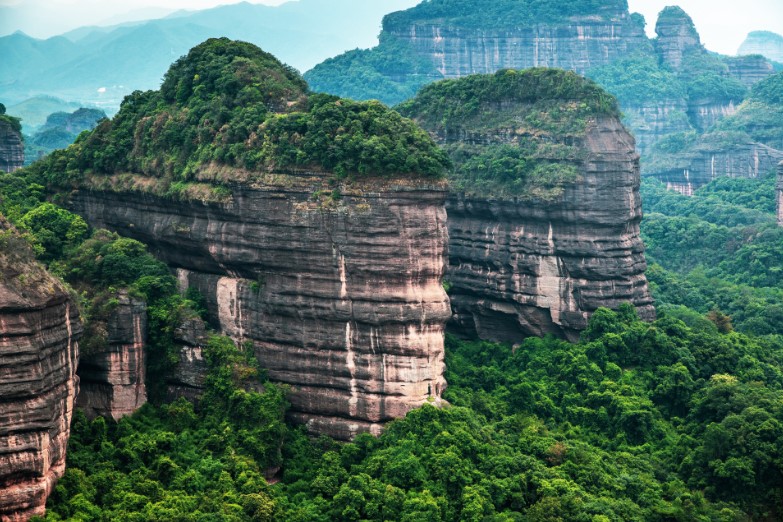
[[75, 66]]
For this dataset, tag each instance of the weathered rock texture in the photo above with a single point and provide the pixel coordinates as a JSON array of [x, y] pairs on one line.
[[750, 69], [39, 330], [11, 148], [695, 168], [676, 35], [530, 267], [705, 113], [340, 299], [112, 378], [187, 378], [780, 193], [765, 43], [579, 45], [652, 121]]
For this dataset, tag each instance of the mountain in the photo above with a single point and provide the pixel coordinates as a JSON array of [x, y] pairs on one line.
[[101, 66], [765, 43]]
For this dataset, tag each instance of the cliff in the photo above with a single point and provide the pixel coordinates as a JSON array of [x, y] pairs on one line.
[[112, 376], [343, 303], [545, 210], [314, 227], [750, 69], [765, 43], [676, 36], [39, 332], [11, 147]]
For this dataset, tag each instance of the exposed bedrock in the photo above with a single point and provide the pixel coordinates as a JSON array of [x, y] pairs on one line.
[[676, 35], [651, 122], [707, 112], [11, 148], [112, 378], [39, 330], [750, 69], [340, 298], [522, 267], [695, 169], [578, 46]]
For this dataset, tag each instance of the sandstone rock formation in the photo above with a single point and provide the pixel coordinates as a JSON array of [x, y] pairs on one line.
[[765, 43], [694, 168], [750, 69], [653, 120], [540, 262], [340, 299], [187, 378], [39, 332], [676, 35], [112, 378], [11, 148]]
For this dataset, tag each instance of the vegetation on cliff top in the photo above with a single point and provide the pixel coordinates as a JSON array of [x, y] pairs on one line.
[[500, 13], [229, 103], [512, 133]]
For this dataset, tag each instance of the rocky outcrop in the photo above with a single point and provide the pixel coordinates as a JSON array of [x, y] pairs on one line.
[[578, 45], [524, 267], [689, 171], [187, 378], [11, 148], [780, 193], [39, 332], [705, 113], [338, 292], [676, 35], [750, 69], [113, 377], [651, 122], [765, 43]]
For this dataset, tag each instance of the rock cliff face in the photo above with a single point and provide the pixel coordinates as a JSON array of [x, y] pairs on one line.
[[705, 113], [651, 122], [696, 168], [187, 379], [341, 299], [750, 69], [676, 35], [39, 332], [780, 194], [112, 380], [765, 43], [520, 268], [543, 261], [11, 148], [578, 45]]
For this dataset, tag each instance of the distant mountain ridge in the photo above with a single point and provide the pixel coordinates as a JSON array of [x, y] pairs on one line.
[[83, 65]]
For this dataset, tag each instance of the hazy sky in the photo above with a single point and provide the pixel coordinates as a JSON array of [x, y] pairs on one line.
[[723, 24]]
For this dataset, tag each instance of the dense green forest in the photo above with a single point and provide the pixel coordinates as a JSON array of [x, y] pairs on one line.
[[525, 127], [60, 130], [230, 104], [680, 419], [500, 13]]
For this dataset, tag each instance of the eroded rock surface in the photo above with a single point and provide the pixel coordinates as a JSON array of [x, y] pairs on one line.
[[113, 377], [11, 148], [525, 267], [676, 35], [39, 332], [340, 298]]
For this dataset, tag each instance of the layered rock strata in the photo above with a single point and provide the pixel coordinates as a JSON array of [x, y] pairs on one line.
[[522, 267], [750, 69], [651, 122], [694, 169], [578, 45], [113, 378], [339, 297], [676, 35], [187, 378], [11, 148], [765, 43], [39, 332]]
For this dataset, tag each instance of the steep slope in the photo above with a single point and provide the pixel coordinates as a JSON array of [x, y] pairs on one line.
[[11, 146], [765, 43], [545, 209], [748, 143], [779, 194], [39, 330], [314, 227], [668, 85], [302, 33]]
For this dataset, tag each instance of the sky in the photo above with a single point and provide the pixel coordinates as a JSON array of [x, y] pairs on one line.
[[723, 24]]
